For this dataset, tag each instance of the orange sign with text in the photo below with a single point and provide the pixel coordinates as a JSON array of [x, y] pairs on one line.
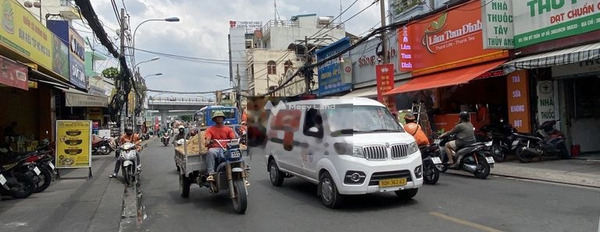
[[518, 101], [385, 82], [446, 40]]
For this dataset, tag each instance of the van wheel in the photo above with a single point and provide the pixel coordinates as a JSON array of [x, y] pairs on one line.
[[407, 194], [328, 191], [275, 174]]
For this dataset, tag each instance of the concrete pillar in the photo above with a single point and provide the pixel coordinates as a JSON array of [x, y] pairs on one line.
[[163, 118]]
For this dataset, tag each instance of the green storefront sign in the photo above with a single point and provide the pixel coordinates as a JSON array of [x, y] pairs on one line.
[[537, 21]]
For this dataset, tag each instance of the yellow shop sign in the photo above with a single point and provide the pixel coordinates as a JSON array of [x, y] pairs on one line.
[[25, 35]]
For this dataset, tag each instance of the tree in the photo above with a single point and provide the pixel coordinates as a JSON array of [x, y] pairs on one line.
[[111, 72], [186, 118]]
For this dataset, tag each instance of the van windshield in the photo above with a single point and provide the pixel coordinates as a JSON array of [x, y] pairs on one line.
[[349, 119]]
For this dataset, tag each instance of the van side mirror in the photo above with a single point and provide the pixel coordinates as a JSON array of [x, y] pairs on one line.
[[313, 130]]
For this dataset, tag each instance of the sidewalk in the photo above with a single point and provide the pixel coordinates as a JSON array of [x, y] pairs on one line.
[[583, 172], [71, 203]]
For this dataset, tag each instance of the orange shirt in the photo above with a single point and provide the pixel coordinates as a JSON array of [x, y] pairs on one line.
[[218, 132], [134, 138], [416, 131]]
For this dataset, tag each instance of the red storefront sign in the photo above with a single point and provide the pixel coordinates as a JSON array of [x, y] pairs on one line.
[[13, 74], [444, 41], [385, 82]]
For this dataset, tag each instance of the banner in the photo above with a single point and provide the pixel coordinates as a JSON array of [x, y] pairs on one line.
[[497, 24], [404, 42], [384, 74], [518, 101], [13, 74], [539, 21], [22, 33], [77, 59], [448, 40], [73, 144]]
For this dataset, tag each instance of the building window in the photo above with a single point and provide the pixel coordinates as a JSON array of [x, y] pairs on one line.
[[288, 64], [271, 67]]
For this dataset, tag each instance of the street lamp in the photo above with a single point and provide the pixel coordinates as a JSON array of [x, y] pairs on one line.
[[37, 4], [169, 19], [156, 74], [146, 61]]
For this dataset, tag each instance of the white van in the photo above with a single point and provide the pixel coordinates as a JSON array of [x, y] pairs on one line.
[[346, 146]]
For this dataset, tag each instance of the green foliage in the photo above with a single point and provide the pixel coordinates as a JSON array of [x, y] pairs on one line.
[[186, 118], [111, 72]]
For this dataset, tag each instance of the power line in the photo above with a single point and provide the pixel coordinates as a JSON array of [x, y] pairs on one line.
[[360, 12]]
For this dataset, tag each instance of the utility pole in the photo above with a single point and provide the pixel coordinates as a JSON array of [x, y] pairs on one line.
[[238, 97], [384, 43], [122, 38], [307, 72]]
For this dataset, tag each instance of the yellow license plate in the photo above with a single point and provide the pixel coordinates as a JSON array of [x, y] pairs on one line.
[[392, 182]]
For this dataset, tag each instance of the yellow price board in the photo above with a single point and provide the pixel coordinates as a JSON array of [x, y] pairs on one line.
[[73, 144]]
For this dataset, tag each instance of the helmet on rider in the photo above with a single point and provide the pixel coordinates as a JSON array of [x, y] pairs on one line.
[[128, 131], [408, 118], [464, 116], [181, 129]]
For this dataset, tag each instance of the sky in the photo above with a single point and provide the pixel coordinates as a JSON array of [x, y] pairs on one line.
[[202, 32]]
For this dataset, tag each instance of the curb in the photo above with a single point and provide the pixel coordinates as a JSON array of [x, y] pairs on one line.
[[545, 180]]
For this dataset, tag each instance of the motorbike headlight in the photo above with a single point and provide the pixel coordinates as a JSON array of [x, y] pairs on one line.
[[412, 148]]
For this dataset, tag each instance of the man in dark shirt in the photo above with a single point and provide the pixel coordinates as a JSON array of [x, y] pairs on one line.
[[465, 135]]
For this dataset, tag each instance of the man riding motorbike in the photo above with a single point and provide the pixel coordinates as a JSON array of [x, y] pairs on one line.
[[131, 137], [218, 132], [180, 135], [415, 130], [465, 135]]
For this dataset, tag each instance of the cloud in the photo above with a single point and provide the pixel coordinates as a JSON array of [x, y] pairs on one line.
[[203, 29]]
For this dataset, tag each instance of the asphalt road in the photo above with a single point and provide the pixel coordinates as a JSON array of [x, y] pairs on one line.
[[457, 203]]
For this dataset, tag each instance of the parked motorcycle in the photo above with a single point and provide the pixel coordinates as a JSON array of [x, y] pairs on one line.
[[16, 184], [104, 146], [546, 142], [22, 177], [432, 163], [500, 140], [128, 164], [474, 158]]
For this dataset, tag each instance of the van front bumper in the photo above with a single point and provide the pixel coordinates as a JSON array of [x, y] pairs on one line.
[[375, 171]]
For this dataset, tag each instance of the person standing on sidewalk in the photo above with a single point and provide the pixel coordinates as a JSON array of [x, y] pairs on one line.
[[130, 137]]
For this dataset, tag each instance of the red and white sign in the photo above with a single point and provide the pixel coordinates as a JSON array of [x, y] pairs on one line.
[[385, 82], [13, 74]]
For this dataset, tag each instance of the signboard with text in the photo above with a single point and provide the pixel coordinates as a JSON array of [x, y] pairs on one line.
[[497, 24], [545, 104], [23, 34], [405, 46], [250, 26], [539, 21], [73, 144], [384, 74], [77, 59], [330, 73], [518, 101], [13, 74], [447, 40]]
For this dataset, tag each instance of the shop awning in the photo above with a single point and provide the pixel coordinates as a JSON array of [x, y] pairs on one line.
[[447, 78], [45, 78], [556, 58], [76, 98]]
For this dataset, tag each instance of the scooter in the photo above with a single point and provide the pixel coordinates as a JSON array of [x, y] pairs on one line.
[[432, 163], [20, 179], [500, 140], [102, 147], [128, 164], [231, 175], [474, 158], [547, 142], [165, 139]]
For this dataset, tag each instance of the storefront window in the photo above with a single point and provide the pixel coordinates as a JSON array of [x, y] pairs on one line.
[[587, 97]]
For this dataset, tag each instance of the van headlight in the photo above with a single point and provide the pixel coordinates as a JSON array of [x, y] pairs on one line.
[[358, 152], [412, 148]]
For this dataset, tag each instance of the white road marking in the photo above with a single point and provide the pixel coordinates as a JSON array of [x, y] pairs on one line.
[[464, 222]]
